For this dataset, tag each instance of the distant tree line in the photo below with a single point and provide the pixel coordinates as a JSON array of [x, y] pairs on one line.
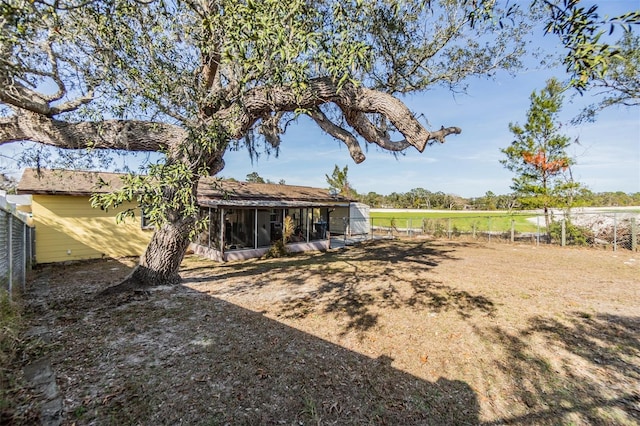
[[420, 198], [417, 198]]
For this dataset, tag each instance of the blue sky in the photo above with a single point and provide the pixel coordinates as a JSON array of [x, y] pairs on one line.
[[607, 156]]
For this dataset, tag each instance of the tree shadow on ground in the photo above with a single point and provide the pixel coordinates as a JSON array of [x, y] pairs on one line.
[[355, 282], [418, 254], [594, 377], [175, 355]]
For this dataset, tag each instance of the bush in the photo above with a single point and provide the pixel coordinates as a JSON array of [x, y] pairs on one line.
[[575, 235], [279, 248], [439, 230]]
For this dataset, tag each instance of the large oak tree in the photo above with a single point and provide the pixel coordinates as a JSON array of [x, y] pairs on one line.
[[194, 78]]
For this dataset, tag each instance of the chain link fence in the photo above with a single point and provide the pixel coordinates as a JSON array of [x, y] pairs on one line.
[[610, 230], [16, 249]]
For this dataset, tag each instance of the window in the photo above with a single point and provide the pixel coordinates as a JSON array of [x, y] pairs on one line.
[[239, 229], [319, 224], [209, 235]]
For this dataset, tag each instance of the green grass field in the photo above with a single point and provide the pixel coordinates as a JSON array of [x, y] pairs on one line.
[[462, 221]]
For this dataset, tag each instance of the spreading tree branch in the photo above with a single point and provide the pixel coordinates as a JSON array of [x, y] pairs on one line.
[[19, 96], [354, 101], [339, 133], [372, 133], [127, 135]]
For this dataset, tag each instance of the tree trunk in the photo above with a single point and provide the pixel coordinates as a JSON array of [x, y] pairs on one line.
[[161, 261]]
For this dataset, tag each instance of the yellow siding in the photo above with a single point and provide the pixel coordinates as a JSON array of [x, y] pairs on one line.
[[67, 228]]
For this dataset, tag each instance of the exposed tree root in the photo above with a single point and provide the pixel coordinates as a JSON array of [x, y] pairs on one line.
[[140, 278]]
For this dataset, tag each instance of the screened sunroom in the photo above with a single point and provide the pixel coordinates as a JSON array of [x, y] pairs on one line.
[[245, 219]]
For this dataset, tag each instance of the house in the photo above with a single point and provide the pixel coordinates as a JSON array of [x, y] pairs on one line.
[[68, 228], [244, 219]]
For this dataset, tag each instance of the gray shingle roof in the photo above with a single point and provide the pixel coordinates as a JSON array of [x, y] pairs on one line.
[[211, 191]]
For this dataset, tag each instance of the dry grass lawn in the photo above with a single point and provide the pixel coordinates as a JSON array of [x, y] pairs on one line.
[[410, 332]]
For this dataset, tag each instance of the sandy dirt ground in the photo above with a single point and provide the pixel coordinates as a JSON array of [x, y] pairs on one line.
[[412, 332]]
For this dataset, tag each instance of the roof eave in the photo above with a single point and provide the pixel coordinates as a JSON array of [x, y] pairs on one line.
[[271, 203]]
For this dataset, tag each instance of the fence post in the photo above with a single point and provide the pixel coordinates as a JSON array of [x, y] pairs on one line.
[[10, 252], [615, 232], [513, 230], [564, 233], [27, 248], [24, 258], [449, 228], [489, 226], [32, 247], [409, 228], [537, 230], [474, 230], [634, 236]]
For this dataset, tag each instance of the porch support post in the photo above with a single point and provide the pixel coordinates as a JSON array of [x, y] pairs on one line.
[[255, 228], [210, 223], [222, 232]]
